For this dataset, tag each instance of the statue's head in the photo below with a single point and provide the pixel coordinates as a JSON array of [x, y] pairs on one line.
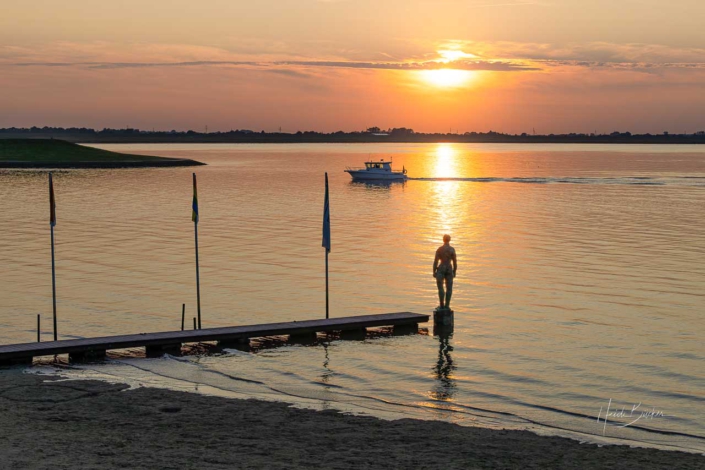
[[446, 238]]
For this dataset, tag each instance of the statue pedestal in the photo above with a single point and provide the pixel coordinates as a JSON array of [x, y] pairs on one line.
[[443, 317]]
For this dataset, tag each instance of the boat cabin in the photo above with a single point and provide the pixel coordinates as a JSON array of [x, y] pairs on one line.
[[380, 165]]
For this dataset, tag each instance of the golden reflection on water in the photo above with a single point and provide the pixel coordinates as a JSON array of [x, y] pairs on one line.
[[446, 161], [452, 203], [445, 193]]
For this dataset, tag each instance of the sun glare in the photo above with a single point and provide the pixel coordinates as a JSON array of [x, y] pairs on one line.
[[451, 55], [447, 78]]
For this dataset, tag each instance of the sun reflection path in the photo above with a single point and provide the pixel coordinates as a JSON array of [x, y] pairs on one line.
[[446, 161], [447, 193]]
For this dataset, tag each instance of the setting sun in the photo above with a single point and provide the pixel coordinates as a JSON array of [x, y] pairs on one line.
[[447, 78], [451, 55]]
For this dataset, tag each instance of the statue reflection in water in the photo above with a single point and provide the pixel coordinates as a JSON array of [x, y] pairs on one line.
[[444, 368], [327, 374]]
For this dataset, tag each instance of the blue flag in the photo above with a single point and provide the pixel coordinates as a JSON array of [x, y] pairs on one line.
[[52, 203], [194, 203], [326, 220]]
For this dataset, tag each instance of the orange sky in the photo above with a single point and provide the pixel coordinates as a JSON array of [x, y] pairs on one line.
[[510, 66]]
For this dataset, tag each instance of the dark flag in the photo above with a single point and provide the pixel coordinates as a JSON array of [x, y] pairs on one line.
[[194, 204], [52, 203], [326, 220]]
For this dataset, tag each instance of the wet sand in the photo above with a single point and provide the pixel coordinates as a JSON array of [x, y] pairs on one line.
[[49, 424]]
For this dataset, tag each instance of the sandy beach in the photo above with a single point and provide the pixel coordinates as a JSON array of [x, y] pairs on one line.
[[86, 424]]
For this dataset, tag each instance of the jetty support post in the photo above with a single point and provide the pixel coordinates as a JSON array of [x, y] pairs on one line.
[[158, 350], [241, 344], [357, 334], [19, 361], [405, 329], [303, 338], [90, 355]]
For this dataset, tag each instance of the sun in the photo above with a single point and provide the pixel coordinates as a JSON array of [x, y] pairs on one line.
[[450, 55], [447, 78]]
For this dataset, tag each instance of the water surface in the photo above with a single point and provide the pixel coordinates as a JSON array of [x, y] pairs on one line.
[[580, 277]]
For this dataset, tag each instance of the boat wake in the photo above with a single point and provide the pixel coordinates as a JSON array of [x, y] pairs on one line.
[[633, 180]]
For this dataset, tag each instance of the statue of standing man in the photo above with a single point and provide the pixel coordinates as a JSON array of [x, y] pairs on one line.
[[443, 271]]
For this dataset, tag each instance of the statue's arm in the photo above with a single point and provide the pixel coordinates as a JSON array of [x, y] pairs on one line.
[[435, 262], [455, 263]]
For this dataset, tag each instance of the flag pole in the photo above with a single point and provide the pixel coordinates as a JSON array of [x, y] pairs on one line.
[[198, 277], [326, 236], [52, 223], [195, 232], [53, 280]]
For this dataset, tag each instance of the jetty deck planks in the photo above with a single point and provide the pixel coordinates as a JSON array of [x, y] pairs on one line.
[[19, 352]]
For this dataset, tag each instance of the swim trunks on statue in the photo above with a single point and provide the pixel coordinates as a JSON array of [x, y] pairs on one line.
[[444, 271]]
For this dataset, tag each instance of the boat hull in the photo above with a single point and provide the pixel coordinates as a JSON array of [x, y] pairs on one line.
[[364, 175]]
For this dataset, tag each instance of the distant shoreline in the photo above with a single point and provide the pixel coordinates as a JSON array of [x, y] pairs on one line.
[[392, 141], [135, 136], [441, 141]]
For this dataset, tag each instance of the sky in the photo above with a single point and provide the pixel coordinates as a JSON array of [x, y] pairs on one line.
[[552, 66]]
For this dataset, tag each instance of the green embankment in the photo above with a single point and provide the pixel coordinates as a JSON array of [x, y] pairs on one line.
[[52, 153]]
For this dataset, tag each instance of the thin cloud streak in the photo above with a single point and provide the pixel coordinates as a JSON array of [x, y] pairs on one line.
[[622, 65], [490, 56], [495, 66], [475, 65]]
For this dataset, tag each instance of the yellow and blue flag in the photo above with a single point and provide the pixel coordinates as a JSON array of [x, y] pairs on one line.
[[52, 203], [326, 220], [194, 204]]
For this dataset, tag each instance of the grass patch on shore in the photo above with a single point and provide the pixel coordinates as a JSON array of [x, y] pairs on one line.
[[53, 153]]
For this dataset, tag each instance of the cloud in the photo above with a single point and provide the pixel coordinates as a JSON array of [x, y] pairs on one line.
[[499, 56], [592, 54], [489, 65], [639, 66], [497, 66]]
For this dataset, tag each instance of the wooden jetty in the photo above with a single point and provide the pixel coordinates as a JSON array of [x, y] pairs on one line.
[[171, 341]]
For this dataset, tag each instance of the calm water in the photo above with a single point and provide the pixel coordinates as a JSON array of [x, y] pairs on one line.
[[580, 280]]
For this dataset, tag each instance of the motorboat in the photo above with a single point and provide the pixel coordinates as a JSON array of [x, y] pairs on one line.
[[380, 171]]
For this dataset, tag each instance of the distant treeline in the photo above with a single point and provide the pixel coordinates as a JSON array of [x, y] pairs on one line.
[[373, 134]]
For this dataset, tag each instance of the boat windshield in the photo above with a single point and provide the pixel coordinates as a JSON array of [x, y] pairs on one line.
[[377, 165]]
